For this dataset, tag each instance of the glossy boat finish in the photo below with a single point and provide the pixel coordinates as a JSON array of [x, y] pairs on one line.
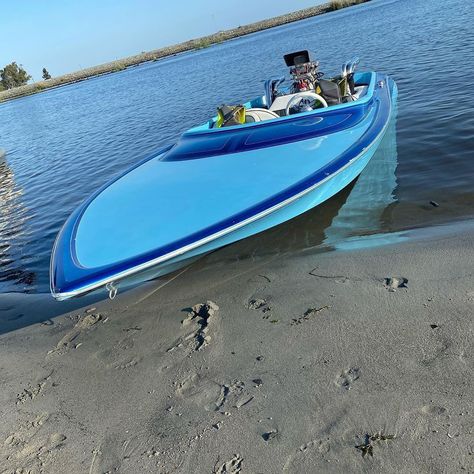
[[217, 186]]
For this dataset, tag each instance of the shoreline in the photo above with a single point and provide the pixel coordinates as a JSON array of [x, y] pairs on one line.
[[334, 362], [167, 51], [372, 241]]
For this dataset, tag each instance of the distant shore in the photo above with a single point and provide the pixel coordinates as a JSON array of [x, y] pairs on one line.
[[194, 44]]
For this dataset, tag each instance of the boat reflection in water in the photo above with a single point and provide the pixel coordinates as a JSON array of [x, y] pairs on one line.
[[359, 221]]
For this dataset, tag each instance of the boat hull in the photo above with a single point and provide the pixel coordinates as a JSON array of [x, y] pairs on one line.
[[299, 206], [69, 278]]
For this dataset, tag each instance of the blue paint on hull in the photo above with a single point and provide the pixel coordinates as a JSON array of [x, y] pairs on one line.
[[345, 139]]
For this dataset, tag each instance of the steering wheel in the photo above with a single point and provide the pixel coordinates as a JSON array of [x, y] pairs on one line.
[[305, 98]]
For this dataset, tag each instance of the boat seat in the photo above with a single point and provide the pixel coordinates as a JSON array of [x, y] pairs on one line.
[[279, 104], [259, 115], [330, 91]]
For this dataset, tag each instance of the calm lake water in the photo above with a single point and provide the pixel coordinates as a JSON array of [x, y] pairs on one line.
[[64, 143]]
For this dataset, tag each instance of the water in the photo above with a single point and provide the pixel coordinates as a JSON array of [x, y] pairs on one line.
[[64, 143]]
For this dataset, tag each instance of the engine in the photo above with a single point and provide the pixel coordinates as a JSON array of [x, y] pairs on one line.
[[303, 70]]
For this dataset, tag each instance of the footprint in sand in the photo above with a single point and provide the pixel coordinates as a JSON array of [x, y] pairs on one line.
[[112, 451], [33, 390], [233, 466], [83, 324], [322, 446], [198, 319], [394, 283], [258, 304], [235, 395], [308, 314], [28, 452], [127, 363], [211, 395], [321, 455], [347, 378], [442, 346], [433, 410], [201, 315], [202, 391], [268, 435], [119, 355]]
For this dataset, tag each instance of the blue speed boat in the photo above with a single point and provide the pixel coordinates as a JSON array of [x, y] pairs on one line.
[[251, 167]]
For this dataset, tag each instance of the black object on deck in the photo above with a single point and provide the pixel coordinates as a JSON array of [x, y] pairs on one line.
[[296, 59]]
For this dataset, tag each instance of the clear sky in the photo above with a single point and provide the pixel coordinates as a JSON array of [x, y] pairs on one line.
[[66, 35]]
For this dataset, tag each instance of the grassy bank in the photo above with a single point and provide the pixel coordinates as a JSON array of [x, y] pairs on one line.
[[338, 4], [190, 45]]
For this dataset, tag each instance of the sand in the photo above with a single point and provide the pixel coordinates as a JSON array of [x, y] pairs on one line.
[[344, 361]]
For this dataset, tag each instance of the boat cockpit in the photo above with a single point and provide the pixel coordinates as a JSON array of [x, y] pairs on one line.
[[307, 91]]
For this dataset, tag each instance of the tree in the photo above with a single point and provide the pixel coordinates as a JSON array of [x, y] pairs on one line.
[[46, 74], [13, 75]]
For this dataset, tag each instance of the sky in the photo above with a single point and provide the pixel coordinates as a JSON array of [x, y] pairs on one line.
[[67, 35]]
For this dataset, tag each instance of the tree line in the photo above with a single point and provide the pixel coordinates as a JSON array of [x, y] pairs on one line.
[[13, 75]]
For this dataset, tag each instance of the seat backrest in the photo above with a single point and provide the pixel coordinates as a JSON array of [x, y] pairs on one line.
[[230, 115], [259, 115], [330, 91], [279, 104]]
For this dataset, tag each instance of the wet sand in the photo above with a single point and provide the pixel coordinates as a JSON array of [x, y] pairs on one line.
[[344, 361]]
